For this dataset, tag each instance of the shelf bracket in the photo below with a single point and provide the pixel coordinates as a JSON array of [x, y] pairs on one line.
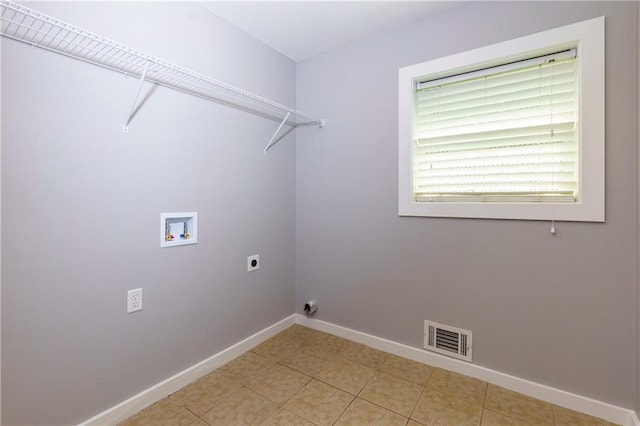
[[273, 139], [125, 127]]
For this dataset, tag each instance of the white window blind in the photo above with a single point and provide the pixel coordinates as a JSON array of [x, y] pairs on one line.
[[506, 134]]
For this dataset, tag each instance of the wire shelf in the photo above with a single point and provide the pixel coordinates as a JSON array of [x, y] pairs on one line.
[[29, 26]]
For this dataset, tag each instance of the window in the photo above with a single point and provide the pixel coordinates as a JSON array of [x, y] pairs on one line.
[[504, 133], [510, 131]]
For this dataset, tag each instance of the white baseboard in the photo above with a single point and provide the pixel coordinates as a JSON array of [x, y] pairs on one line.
[[150, 396], [559, 397]]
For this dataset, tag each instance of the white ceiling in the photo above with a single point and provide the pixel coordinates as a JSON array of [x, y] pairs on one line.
[[303, 29]]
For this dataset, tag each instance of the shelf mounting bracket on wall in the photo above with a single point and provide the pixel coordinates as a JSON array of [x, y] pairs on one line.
[[273, 139], [125, 127], [36, 29]]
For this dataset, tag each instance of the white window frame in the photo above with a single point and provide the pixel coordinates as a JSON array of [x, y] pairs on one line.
[[588, 38]]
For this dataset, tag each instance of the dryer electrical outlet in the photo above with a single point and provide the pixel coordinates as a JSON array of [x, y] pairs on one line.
[[253, 263]]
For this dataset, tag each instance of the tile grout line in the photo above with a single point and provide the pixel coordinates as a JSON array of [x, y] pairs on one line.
[[199, 417], [424, 389], [484, 402], [359, 392], [379, 370]]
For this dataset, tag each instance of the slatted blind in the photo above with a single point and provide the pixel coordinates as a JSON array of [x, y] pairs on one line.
[[506, 133]]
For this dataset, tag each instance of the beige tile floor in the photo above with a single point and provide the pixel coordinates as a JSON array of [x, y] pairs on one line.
[[306, 377]]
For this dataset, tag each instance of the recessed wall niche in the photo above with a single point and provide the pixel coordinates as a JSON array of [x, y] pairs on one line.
[[177, 229]]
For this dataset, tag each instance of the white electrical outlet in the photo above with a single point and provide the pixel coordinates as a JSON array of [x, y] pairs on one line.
[[134, 300], [253, 263]]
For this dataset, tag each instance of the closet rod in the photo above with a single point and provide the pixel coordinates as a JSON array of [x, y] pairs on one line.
[[29, 26]]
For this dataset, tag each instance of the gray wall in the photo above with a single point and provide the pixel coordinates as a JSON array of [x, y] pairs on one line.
[[637, 298], [558, 310], [81, 204]]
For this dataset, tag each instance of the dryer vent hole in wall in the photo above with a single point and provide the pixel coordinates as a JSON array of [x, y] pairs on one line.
[[310, 307], [447, 340]]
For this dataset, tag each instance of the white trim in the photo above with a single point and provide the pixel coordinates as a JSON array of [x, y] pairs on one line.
[[155, 393], [588, 37], [559, 397]]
